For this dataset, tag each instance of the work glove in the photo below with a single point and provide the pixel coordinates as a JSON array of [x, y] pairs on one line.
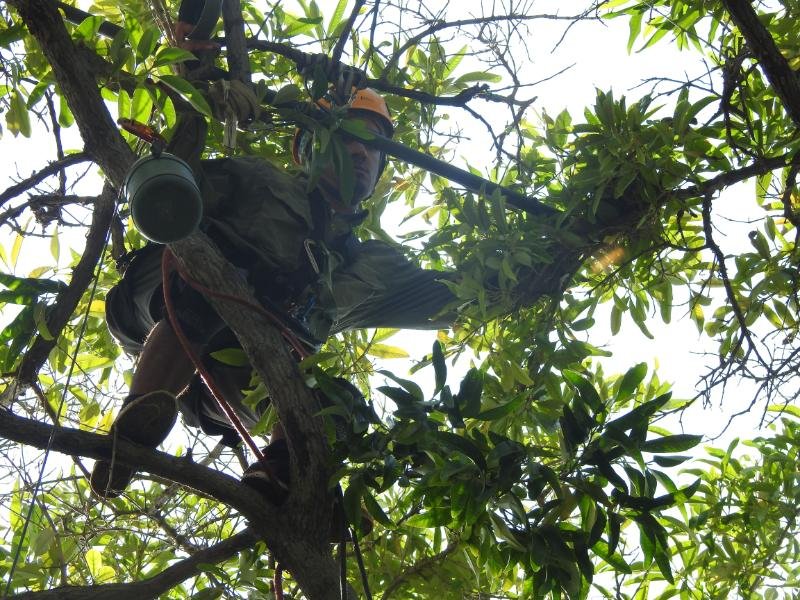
[[233, 98]]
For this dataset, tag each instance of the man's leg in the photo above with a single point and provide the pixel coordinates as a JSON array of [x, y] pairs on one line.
[[163, 365], [149, 412]]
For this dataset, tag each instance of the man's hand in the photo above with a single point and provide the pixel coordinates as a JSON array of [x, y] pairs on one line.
[[234, 99], [182, 31]]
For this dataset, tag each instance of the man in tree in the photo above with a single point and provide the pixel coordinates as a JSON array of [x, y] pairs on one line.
[[297, 250]]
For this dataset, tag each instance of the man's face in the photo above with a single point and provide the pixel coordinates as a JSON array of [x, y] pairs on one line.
[[366, 163]]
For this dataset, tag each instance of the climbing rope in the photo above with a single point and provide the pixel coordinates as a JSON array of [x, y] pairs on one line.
[[168, 265]]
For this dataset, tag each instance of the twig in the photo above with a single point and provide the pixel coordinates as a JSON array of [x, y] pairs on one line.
[[336, 55], [35, 179], [158, 584], [68, 299]]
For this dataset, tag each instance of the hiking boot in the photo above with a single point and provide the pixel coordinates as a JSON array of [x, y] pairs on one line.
[[270, 476], [145, 420]]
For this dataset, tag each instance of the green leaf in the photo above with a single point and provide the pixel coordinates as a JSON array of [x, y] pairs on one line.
[[352, 501], [169, 55], [188, 92], [288, 94], [639, 415], [586, 391], [614, 526], [463, 445], [574, 432], [17, 117], [672, 443], [474, 76], [439, 367], [375, 510], [65, 117], [498, 412], [670, 461], [336, 16], [19, 333], [468, 398], [635, 25], [408, 385], [147, 43], [40, 318], [789, 409], [386, 351], [142, 105], [233, 357], [630, 381], [30, 287], [88, 28], [613, 559], [94, 560]]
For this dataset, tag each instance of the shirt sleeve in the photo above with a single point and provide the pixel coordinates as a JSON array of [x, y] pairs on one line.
[[380, 287]]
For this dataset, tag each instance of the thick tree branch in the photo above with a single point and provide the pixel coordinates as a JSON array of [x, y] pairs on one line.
[[101, 138], [52, 169], [157, 585], [287, 530], [307, 511], [780, 75], [723, 180], [181, 470], [235, 43], [67, 300]]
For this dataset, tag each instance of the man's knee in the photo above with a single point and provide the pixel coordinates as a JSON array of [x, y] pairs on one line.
[[194, 316]]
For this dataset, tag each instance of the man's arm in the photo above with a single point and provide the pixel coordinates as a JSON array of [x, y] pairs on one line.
[[382, 288]]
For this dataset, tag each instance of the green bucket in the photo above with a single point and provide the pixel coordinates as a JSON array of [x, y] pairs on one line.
[[164, 198]]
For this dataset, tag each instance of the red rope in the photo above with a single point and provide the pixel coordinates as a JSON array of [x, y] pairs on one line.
[[168, 263], [287, 333]]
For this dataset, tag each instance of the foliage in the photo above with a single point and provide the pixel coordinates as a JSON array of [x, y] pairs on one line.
[[534, 474]]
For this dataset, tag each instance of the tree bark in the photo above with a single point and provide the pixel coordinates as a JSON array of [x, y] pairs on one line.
[[235, 42], [67, 300], [307, 512], [98, 130], [783, 79]]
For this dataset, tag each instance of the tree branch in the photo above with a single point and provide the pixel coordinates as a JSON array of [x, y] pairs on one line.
[[35, 179], [100, 135], [67, 300], [441, 25], [780, 75], [308, 510], [182, 470], [235, 43], [157, 585], [336, 55], [720, 182]]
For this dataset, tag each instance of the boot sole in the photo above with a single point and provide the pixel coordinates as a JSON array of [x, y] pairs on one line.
[[147, 421]]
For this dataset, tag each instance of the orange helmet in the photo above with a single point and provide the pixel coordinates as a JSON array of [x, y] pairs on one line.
[[364, 100]]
